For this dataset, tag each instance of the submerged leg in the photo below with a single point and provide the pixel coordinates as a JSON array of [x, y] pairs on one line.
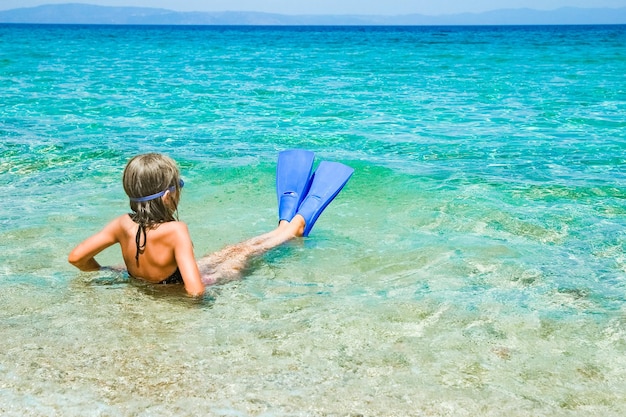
[[297, 212], [228, 264]]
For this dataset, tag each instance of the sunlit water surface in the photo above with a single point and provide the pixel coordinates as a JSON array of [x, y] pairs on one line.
[[473, 266]]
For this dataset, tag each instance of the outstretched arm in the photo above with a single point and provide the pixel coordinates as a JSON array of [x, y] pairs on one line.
[[83, 255]]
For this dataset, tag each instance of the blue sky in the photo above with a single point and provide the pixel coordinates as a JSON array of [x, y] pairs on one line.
[[384, 7]]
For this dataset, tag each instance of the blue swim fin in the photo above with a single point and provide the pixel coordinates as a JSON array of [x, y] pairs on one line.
[[293, 173], [327, 181]]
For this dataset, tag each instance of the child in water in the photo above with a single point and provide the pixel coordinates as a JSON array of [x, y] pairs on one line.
[[157, 248]]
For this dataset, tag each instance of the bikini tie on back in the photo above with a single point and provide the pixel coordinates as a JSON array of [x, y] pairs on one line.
[[140, 248]]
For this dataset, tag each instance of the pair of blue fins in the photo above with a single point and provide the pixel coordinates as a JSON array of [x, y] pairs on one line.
[[304, 192]]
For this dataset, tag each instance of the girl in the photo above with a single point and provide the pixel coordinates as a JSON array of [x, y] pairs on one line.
[[157, 248]]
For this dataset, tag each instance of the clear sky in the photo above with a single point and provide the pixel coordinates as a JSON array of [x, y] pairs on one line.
[[377, 7]]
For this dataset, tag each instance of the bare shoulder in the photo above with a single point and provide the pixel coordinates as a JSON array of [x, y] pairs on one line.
[[177, 225], [176, 229], [119, 223]]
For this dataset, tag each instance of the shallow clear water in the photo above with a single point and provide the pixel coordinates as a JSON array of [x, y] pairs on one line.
[[474, 265]]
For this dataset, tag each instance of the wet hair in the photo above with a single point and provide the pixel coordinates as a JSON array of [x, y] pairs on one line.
[[145, 175]]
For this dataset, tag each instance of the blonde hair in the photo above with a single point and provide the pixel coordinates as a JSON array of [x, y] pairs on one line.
[[146, 175]]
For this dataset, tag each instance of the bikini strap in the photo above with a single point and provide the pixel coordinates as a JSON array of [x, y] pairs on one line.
[[140, 248]]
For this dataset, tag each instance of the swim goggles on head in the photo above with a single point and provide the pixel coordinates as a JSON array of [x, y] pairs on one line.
[[181, 183]]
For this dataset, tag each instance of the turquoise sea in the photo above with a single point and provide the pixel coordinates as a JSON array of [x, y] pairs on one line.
[[474, 265]]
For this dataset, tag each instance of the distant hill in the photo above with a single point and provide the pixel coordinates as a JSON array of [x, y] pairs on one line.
[[74, 13]]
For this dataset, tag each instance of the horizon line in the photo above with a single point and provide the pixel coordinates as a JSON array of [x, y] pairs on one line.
[[315, 14]]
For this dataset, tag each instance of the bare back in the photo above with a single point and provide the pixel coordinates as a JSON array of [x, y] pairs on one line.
[[157, 259]]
